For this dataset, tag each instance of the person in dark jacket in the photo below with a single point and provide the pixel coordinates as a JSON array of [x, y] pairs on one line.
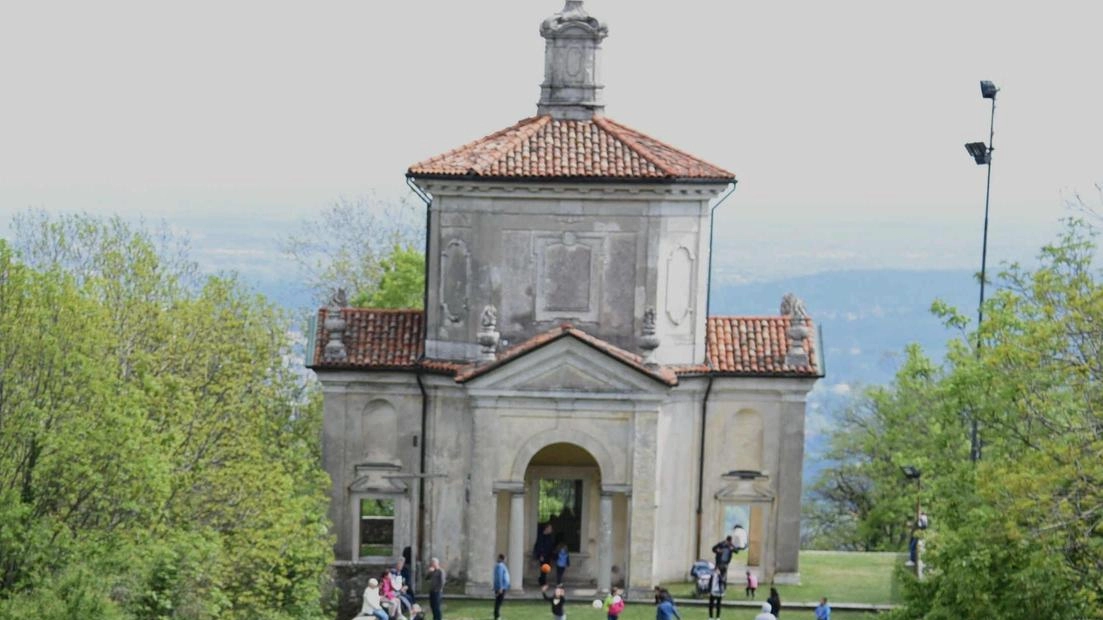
[[558, 599], [775, 602], [724, 550], [716, 593], [543, 550], [407, 574], [435, 577]]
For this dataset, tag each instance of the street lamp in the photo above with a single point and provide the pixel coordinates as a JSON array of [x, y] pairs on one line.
[[982, 154]]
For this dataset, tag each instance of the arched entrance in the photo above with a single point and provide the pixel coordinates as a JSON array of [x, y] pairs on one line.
[[562, 497]]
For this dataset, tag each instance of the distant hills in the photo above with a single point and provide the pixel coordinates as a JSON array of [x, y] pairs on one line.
[[867, 317]]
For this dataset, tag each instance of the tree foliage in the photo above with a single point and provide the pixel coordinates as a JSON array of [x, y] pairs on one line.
[[1017, 534], [158, 456], [366, 246], [401, 281]]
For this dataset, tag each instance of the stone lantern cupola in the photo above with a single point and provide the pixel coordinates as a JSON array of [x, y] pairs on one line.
[[572, 64]]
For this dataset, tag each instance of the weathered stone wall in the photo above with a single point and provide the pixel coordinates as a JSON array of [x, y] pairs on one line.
[[643, 436], [370, 422], [679, 434], [595, 255], [742, 410]]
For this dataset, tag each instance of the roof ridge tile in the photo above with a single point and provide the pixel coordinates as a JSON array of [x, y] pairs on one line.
[[631, 142]]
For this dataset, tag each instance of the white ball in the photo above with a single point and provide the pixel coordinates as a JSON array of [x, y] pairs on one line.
[[598, 604]]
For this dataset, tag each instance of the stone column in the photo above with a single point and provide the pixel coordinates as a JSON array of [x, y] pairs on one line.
[[517, 539], [605, 544], [786, 534], [641, 546]]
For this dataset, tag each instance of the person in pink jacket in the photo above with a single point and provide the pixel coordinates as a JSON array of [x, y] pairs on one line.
[[752, 584], [616, 603]]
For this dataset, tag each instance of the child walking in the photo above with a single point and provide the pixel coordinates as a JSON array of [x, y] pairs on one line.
[[562, 561], [616, 604], [752, 584]]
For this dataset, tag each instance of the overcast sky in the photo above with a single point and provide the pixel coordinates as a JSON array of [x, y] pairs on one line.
[[844, 121]]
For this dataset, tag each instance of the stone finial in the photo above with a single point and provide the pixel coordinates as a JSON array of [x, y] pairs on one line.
[[572, 64], [339, 298], [335, 326], [648, 341], [488, 334], [793, 307]]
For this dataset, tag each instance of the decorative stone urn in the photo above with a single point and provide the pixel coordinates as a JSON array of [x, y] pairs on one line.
[[335, 326]]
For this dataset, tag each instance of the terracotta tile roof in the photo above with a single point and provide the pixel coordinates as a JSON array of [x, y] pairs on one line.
[[391, 340], [374, 338], [541, 147], [658, 373], [752, 345]]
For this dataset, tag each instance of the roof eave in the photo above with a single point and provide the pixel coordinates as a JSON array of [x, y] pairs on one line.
[[573, 179]]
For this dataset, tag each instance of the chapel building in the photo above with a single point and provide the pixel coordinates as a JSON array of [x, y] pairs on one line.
[[565, 370]]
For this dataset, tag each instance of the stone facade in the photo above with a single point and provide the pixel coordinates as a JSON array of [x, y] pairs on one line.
[[565, 341], [595, 255]]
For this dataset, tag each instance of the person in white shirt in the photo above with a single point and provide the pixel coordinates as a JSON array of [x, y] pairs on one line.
[[765, 615], [739, 537], [373, 607]]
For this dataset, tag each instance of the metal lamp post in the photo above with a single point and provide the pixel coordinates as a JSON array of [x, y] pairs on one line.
[[982, 154]]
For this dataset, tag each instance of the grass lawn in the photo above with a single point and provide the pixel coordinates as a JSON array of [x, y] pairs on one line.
[[845, 577], [838, 575], [535, 610]]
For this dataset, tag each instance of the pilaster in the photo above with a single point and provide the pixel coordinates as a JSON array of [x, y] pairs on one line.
[[642, 545]]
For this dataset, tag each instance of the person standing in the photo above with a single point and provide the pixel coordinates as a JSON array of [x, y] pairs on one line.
[[557, 600], [373, 606], [765, 615], [542, 550], [823, 611], [775, 602], [723, 551], [562, 561], [404, 564], [716, 592], [501, 584], [435, 577], [752, 584]]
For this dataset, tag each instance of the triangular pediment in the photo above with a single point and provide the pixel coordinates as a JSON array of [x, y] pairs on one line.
[[381, 478], [567, 365], [742, 490]]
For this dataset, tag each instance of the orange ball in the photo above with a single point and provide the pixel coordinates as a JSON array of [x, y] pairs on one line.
[[545, 568]]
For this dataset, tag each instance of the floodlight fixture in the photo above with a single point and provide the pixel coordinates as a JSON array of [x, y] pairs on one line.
[[911, 473], [982, 154], [979, 151]]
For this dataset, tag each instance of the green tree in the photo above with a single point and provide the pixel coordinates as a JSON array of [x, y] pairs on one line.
[[158, 455], [1018, 533], [401, 284]]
